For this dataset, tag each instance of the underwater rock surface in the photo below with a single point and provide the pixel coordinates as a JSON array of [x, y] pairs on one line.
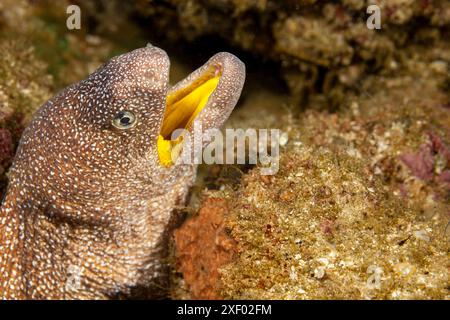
[[322, 46]]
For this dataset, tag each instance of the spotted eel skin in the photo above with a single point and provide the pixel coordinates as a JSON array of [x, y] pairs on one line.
[[88, 208]]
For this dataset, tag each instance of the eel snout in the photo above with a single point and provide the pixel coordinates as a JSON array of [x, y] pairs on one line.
[[208, 96]]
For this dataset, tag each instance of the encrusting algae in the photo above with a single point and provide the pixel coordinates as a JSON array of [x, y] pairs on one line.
[[23, 87]]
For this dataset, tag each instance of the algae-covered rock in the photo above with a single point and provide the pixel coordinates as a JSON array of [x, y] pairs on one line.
[[360, 206], [325, 227]]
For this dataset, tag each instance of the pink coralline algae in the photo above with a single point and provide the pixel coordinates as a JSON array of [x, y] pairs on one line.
[[421, 163]]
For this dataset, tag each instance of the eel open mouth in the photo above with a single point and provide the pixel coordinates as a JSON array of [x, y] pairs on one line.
[[182, 107]]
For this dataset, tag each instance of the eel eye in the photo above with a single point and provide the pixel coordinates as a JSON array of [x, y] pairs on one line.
[[124, 120]]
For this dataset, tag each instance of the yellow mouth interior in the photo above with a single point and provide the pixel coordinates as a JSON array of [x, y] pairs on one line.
[[182, 107]]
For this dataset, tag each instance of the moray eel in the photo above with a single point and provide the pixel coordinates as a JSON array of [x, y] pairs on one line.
[[92, 191]]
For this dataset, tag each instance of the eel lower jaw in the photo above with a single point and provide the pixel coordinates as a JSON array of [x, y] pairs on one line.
[[182, 108]]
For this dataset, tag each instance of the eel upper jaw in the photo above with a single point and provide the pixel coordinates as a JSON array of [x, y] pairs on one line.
[[208, 95]]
